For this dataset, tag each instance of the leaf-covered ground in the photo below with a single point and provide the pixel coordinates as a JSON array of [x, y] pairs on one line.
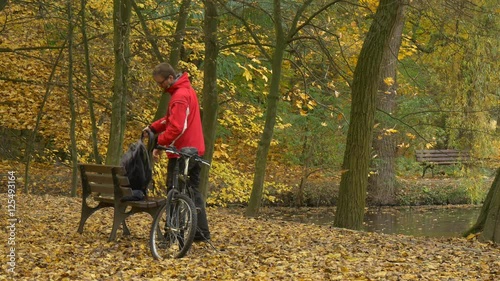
[[48, 248]]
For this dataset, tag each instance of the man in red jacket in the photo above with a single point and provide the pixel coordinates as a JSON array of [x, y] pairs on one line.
[[181, 127]]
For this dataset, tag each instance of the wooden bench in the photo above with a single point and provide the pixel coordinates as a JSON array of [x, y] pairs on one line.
[[432, 157], [107, 185]]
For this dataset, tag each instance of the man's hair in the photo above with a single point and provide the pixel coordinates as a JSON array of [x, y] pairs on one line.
[[164, 70]]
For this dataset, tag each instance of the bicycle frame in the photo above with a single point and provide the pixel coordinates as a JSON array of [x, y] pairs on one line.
[[182, 177], [186, 154]]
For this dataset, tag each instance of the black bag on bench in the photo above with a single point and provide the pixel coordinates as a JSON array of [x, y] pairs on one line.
[[137, 164]]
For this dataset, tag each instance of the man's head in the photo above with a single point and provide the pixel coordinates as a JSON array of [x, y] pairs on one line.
[[164, 75]]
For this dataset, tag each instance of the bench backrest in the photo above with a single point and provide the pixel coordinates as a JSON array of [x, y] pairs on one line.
[[102, 179], [442, 155]]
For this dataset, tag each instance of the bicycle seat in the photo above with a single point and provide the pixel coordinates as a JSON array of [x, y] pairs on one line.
[[189, 151]]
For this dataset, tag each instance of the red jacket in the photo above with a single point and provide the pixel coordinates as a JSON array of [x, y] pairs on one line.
[[181, 127]]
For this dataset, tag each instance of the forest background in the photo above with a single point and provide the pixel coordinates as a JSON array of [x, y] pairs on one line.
[[59, 88]]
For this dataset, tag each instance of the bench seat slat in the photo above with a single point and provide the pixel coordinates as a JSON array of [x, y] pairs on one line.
[[103, 169], [439, 150], [443, 162], [442, 159], [102, 188], [95, 168], [442, 155], [150, 203], [109, 189], [106, 178]]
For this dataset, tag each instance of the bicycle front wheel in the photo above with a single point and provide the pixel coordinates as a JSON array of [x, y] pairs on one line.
[[174, 228]]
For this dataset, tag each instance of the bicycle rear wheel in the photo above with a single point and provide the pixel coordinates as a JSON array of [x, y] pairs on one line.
[[174, 228]]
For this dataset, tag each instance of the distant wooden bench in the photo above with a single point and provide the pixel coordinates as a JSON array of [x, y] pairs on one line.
[[432, 157], [107, 185]]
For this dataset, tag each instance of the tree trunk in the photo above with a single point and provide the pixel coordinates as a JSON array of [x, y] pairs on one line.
[[488, 222], [210, 102], [30, 144], [306, 163], [71, 97], [382, 183], [272, 104], [175, 52], [354, 180], [121, 23], [88, 83], [180, 33]]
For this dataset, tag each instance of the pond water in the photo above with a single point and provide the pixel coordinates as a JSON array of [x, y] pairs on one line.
[[441, 222], [416, 221]]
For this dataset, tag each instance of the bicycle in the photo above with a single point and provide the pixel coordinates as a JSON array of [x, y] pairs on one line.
[[175, 225]]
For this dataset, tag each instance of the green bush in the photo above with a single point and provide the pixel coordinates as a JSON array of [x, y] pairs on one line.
[[467, 190], [315, 194], [408, 166], [431, 195]]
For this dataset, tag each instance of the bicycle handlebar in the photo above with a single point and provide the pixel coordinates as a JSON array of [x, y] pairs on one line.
[[174, 150]]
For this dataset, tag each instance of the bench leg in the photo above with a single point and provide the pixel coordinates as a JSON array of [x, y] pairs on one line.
[[119, 217], [126, 230], [116, 224], [427, 167], [87, 212]]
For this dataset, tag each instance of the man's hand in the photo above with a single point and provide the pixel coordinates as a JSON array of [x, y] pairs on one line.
[[156, 154], [146, 132]]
